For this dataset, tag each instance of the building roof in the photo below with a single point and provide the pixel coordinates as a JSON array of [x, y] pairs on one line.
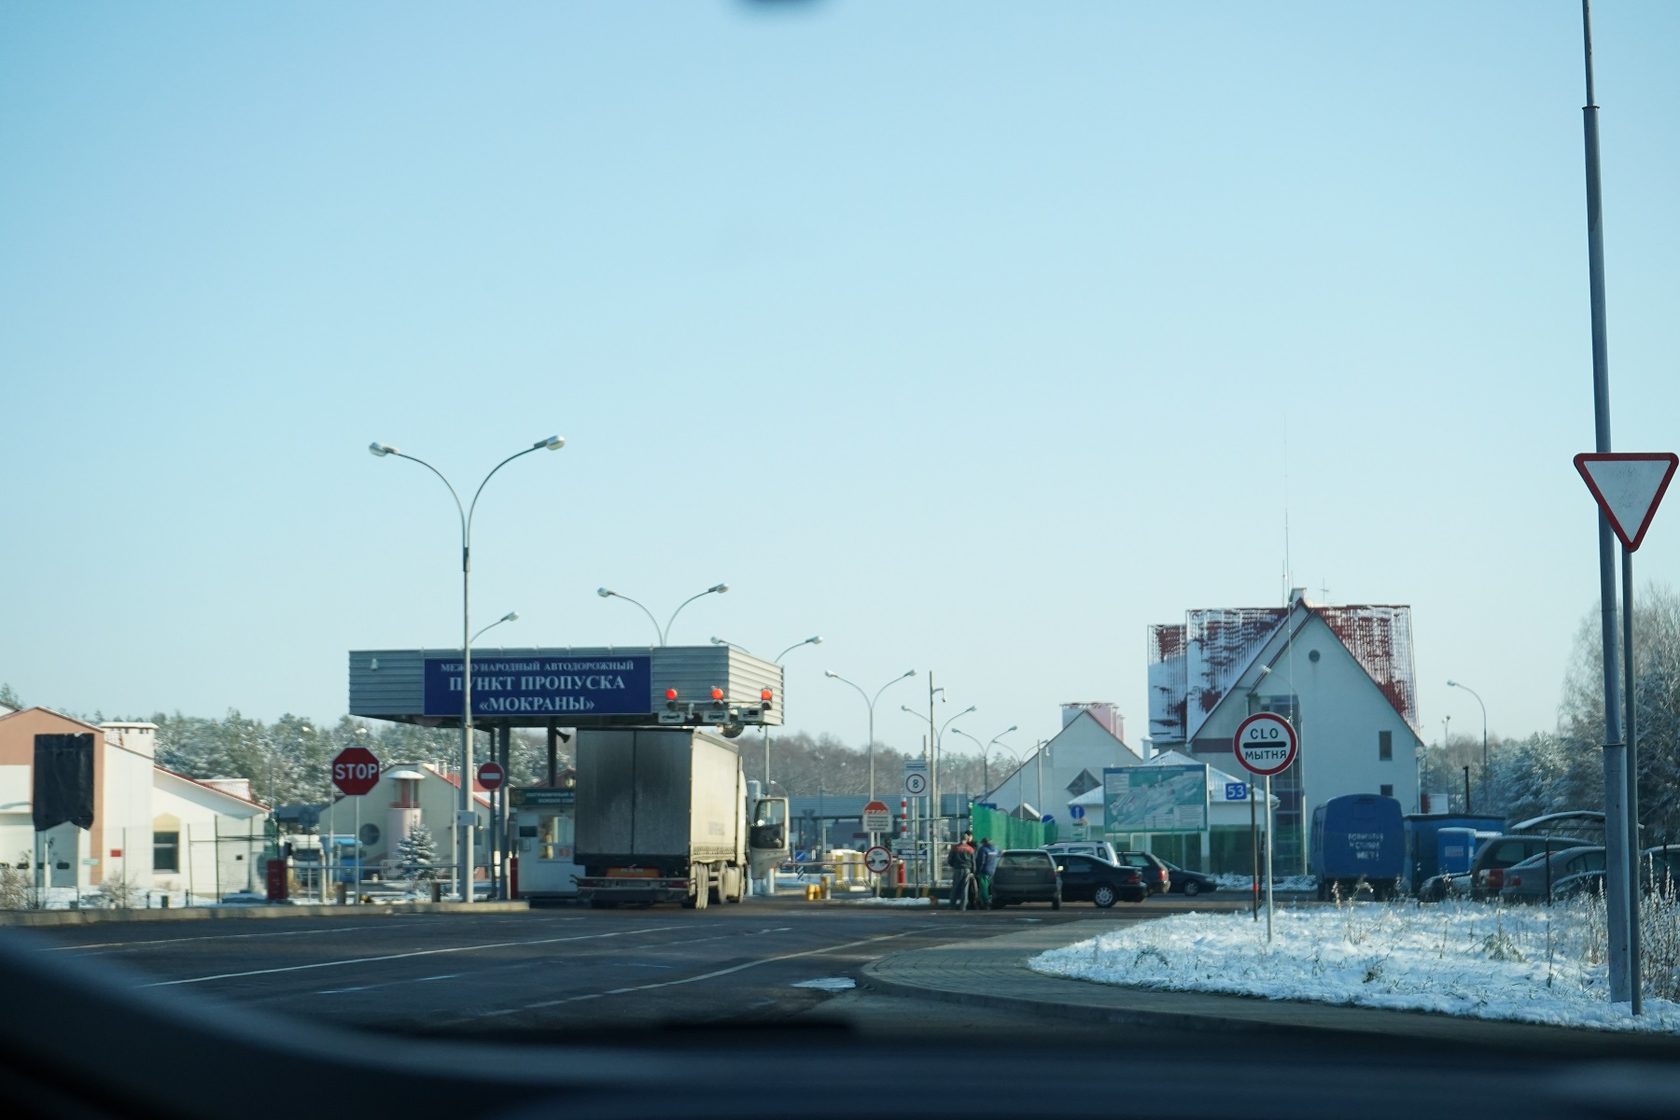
[[1194, 665], [208, 788]]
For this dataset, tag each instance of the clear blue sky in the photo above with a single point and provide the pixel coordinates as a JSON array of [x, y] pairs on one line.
[[974, 337]]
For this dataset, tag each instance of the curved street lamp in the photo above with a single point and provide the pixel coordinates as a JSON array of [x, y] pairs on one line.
[[1486, 773], [662, 631], [870, 701], [511, 616], [463, 831]]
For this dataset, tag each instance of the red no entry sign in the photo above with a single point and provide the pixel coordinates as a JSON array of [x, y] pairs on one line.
[[491, 775], [355, 771], [1265, 744]]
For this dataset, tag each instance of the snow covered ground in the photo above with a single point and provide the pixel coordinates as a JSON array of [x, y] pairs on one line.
[[1528, 964]]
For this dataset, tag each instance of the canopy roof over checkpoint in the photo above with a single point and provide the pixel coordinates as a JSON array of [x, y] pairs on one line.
[[582, 687]]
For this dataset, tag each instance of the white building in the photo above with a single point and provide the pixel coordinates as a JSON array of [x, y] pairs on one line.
[[1068, 766], [1342, 675], [151, 832], [406, 794]]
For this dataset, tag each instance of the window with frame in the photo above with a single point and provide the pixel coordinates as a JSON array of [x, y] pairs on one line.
[[166, 851], [1385, 746]]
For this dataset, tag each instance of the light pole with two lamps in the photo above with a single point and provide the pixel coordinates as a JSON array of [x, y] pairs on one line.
[[870, 701], [464, 814], [663, 631]]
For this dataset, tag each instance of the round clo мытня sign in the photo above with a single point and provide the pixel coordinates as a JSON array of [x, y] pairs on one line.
[[1265, 744]]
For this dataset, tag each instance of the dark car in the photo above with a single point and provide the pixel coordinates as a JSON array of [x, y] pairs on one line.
[[1500, 853], [1535, 878], [1026, 875], [1154, 870], [1089, 879], [1181, 880]]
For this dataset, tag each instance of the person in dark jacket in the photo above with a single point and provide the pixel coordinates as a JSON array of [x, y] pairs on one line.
[[985, 866], [961, 862]]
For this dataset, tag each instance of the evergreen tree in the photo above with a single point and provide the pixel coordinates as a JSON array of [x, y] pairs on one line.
[[417, 854]]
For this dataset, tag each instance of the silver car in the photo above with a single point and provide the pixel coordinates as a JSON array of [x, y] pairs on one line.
[[1536, 879]]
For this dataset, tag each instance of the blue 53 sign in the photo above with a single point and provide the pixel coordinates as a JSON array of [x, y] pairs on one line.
[[1265, 744]]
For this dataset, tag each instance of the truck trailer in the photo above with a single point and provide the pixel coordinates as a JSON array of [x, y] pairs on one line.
[[1357, 839], [663, 815]]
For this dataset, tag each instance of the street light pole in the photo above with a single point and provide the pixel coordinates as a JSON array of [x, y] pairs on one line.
[[1487, 774], [870, 701], [813, 640], [663, 631], [464, 805]]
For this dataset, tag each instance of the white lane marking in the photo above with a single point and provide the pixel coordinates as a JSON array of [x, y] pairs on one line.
[[402, 956], [685, 980], [207, 937]]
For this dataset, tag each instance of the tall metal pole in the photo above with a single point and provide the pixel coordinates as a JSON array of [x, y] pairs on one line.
[[870, 701], [464, 814], [1618, 900], [1634, 983]]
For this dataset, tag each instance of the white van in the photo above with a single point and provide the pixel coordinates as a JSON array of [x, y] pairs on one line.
[[1102, 849]]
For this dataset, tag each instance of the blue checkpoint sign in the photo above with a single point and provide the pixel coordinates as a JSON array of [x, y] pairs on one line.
[[1076, 812], [1236, 791]]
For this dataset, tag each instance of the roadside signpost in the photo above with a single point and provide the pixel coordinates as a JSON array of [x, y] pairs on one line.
[[877, 860], [876, 818], [1266, 744], [491, 776], [355, 771], [1628, 486]]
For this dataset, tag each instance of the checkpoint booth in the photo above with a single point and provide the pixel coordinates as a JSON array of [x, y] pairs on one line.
[[529, 844]]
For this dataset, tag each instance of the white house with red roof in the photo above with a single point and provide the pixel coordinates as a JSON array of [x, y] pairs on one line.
[[1343, 675]]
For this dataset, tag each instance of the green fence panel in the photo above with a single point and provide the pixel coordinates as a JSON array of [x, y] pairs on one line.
[[1006, 831]]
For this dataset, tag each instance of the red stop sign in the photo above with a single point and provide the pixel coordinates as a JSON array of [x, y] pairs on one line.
[[491, 775], [355, 771]]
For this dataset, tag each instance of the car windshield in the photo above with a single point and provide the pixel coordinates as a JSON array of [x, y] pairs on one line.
[[540, 523]]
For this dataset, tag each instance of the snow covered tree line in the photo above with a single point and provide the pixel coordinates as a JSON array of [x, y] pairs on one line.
[[1564, 769]]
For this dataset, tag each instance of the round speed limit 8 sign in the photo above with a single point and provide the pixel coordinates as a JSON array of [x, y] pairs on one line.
[[1266, 744]]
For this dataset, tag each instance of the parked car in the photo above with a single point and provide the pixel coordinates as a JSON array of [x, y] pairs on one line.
[[1181, 880], [1026, 875], [1439, 888], [1089, 879], [1154, 869], [1102, 849], [1496, 855], [1535, 879]]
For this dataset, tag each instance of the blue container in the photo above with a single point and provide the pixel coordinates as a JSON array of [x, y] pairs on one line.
[[1359, 838]]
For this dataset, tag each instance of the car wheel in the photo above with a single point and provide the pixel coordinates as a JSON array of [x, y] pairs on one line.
[[1056, 901], [1104, 896], [1192, 887]]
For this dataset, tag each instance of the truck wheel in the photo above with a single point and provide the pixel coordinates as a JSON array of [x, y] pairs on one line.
[[732, 884], [1056, 902], [702, 886]]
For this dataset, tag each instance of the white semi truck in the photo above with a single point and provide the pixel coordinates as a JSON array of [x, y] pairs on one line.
[[663, 815]]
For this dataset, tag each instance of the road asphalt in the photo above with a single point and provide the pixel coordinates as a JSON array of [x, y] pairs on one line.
[[990, 970]]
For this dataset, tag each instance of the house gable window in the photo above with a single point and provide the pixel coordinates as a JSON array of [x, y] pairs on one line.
[[1385, 746]]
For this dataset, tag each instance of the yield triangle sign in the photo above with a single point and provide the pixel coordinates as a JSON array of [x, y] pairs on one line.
[[1628, 485]]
